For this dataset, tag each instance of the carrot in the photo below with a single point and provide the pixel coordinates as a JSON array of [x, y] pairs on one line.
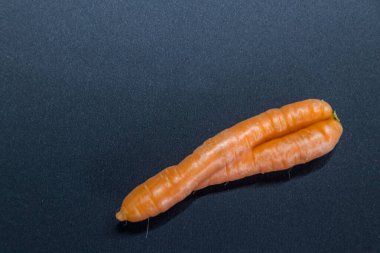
[[225, 150], [282, 153]]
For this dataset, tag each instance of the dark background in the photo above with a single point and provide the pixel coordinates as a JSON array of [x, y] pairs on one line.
[[97, 96]]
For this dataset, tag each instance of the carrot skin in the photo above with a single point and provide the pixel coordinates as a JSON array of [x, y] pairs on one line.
[[282, 153], [173, 184]]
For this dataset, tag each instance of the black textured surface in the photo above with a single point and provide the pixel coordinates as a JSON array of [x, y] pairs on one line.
[[96, 96]]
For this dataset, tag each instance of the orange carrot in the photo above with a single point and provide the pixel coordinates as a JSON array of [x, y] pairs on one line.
[[222, 152]]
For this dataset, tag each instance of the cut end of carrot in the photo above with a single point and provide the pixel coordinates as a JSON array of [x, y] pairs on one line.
[[120, 216], [336, 116]]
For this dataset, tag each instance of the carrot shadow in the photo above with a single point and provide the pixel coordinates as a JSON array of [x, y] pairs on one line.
[[260, 180], [263, 180]]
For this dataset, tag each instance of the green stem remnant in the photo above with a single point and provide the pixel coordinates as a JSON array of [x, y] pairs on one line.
[[336, 116]]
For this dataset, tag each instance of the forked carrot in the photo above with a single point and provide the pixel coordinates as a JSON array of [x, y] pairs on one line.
[[260, 144], [282, 153]]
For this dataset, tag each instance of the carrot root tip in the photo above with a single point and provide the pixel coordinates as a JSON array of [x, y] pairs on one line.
[[120, 216]]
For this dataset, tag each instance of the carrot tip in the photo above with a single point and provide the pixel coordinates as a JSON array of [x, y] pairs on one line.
[[336, 116], [120, 216]]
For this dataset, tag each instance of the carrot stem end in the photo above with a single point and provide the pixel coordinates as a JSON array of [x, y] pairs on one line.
[[336, 116]]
